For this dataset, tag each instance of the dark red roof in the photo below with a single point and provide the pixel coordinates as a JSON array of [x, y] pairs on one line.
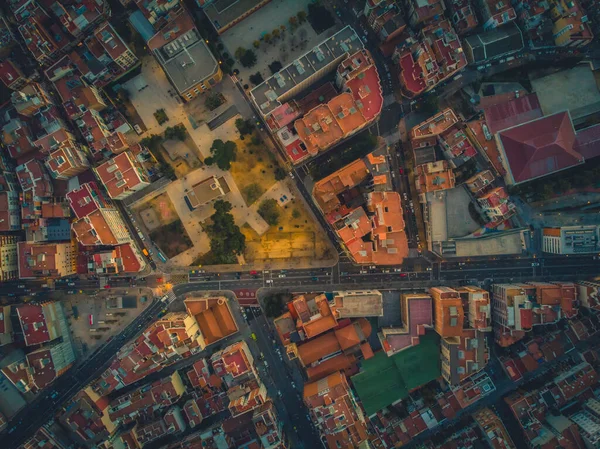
[[540, 147], [512, 113], [588, 142]]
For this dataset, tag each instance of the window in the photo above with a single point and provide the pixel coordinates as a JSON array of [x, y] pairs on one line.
[[189, 95], [196, 91], [461, 355]]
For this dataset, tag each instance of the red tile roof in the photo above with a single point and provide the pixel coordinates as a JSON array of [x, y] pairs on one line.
[[33, 324], [540, 147], [513, 112], [9, 73]]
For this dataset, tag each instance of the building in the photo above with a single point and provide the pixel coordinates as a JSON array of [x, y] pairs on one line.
[[477, 307], [30, 99], [494, 44], [86, 419], [42, 323], [479, 182], [268, 427], [234, 363], [588, 421], [571, 26], [571, 240], [213, 317], [78, 96], [495, 13], [66, 162], [420, 11], [416, 317], [448, 312], [43, 439], [6, 330], [11, 76], [496, 205], [588, 293], [120, 260], [115, 46], [206, 191], [335, 412], [359, 204], [185, 57], [169, 339], [35, 183], [433, 177], [159, 12], [493, 429], [98, 221], [323, 59], [435, 57], [153, 397], [519, 307], [224, 19], [9, 261], [463, 18], [122, 176], [358, 105], [539, 148], [246, 396], [49, 362], [357, 304], [17, 137], [46, 260]]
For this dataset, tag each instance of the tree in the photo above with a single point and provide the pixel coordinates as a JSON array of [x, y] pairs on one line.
[[256, 44], [269, 210], [267, 38], [430, 105], [256, 79], [275, 67], [275, 33], [252, 193], [293, 21], [248, 59], [295, 214], [282, 28], [239, 53], [279, 174], [176, 132], [273, 305], [301, 16], [213, 101], [226, 239], [223, 154], [244, 126], [152, 142]]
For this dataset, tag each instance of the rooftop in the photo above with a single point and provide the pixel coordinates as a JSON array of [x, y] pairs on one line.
[[434, 176], [225, 13], [355, 304], [270, 94], [120, 174], [512, 113], [494, 43], [539, 147], [213, 317], [33, 324], [435, 125], [183, 54], [86, 199]]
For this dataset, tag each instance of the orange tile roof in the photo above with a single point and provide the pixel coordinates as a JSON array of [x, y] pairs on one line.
[[435, 125], [340, 362], [434, 176], [340, 107], [94, 230], [318, 348], [318, 129], [326, 190], [213, 317]]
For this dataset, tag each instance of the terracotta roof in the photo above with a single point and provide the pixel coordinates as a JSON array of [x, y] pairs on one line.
[[540, 147]]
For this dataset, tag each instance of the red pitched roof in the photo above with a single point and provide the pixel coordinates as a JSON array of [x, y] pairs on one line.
[[513, 112], [540, 147]]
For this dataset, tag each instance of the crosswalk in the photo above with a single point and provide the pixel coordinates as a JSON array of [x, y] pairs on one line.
[[169, 297]]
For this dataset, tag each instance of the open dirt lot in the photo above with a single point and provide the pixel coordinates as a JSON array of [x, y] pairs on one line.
[[157, 212], [297, 239], [172, 239], [85, 341], [184, 156], [254, 164]]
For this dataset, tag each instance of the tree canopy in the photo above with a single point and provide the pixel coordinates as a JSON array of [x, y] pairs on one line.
[[226, 239], [244, 126], [223, 154], [269, 210], [176, 132]]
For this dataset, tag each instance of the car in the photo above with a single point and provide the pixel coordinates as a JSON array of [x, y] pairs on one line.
[[535, 264], [21, 286], [293, 385], [253, 272], [266, 363], [137, 129], [429, 269], [107, 286], [363, 271], [401, 170], [71, 284], [386, 270], [403, 275], [269, 281], [397, 270], [282, 275]]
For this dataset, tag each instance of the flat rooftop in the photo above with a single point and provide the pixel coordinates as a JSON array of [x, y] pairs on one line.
[[578, 92], [221, 13], [266, 95], [182, 53], [358, 304]]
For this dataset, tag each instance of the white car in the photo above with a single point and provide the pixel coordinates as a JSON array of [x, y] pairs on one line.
[[138, 129], [282, 275]]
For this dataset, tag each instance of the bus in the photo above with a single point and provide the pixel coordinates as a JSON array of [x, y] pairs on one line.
[[91, 319], [161, 257]]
